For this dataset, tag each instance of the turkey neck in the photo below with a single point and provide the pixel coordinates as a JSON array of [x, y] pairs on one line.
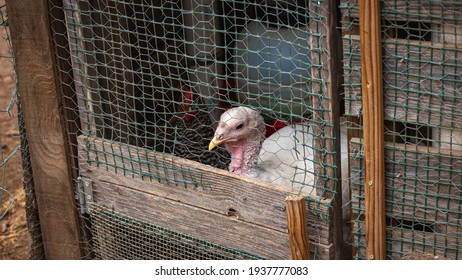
[[244, 153]]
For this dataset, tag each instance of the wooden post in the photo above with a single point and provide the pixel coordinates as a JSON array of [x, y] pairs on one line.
[[296, 223], [372, 98], [327, 79], [41, 104]]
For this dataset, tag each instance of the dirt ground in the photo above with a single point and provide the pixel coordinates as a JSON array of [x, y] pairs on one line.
[[14, 236]]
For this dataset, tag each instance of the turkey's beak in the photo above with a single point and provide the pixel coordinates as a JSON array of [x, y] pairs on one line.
[[212, 145], [215, 142]]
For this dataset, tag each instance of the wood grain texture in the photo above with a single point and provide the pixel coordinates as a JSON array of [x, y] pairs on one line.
[[229, 195], [40, 100], [422, 184], [296, 224], [373, 128], [421, 81], [402, 241], [205, 225], [80, 74], [412, 10], [326, 71]]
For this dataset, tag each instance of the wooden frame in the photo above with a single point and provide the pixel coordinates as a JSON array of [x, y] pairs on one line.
[[372, 89], [327, 66], [41, 108], [53, 154], [228, 210]]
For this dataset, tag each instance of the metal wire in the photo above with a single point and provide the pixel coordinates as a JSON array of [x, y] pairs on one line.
[[422, 58], [156, 75]]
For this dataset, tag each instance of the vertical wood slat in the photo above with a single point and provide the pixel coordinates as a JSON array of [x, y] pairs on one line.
[[79, 69], [297, 226], [326, 71], [41, 104], [372, 97]]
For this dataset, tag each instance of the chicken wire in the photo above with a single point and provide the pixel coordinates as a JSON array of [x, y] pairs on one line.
[[422, 60], [10, 154], [156, 76]]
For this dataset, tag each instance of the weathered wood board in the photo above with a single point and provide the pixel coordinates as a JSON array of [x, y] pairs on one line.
[[215, 205], [402, 241], [326, 72], [422, 81], [422, 183], [415, 10], [41, 101]]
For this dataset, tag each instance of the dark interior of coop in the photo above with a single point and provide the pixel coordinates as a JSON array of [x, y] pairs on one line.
[[157, 88]]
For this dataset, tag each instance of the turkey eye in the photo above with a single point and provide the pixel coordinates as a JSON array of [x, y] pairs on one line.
[[239, 126]]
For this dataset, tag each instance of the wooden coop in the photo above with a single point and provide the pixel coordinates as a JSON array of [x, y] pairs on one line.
[[121, 98]]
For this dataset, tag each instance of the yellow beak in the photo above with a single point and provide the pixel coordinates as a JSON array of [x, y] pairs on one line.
[[217, 140], [212, 145]]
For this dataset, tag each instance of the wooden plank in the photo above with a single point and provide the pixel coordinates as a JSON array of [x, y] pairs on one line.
[[373, 128], [80, 70], [119, 237], [447, 138], [326, 71], [41, 102], [421, 81], [296, 224], [412, 10], [422, 183], [174, 215], [402, 241], [213, 189], [202, 224], [67, 86]]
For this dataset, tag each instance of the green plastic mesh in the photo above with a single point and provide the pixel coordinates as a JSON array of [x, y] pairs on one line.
[[422, 60], [156, 75]]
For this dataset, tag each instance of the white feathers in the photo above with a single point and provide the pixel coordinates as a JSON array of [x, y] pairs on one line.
[[286, 158]]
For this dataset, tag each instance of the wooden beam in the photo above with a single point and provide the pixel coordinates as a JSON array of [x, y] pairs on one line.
[[327, 77], [41, 104], [372, 93], [296, 223]]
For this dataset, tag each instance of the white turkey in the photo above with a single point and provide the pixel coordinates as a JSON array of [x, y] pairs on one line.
[[285, 158]]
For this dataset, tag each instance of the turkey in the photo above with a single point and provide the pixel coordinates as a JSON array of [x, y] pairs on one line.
[[194, 129], [284, 158], [193, 137]]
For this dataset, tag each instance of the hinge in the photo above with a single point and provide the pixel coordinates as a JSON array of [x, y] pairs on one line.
[[84, 194]]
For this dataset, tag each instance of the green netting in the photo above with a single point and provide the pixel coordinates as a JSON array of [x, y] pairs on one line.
[[145, 82], [422, 60], [159, 76]]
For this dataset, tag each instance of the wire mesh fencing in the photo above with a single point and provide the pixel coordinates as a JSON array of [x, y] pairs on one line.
[[144, 85], [164, 100], [422, 52]]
